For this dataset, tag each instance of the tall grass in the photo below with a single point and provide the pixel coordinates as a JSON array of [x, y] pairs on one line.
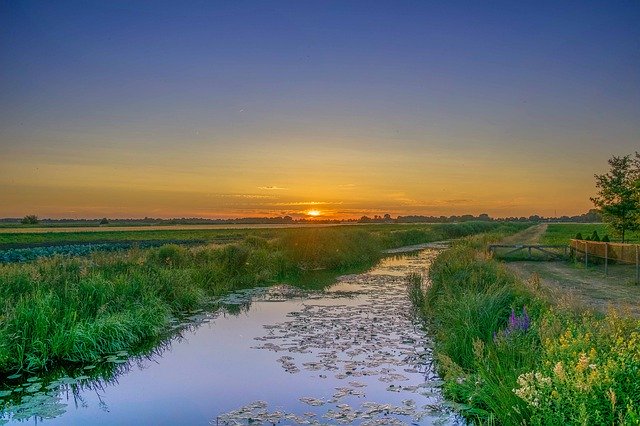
[[63, 309], [509, 358]]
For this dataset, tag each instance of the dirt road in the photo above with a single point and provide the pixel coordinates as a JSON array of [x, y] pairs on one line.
[[574, 286]]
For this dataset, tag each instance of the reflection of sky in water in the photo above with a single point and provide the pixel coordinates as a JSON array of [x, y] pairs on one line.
[[214, 369]]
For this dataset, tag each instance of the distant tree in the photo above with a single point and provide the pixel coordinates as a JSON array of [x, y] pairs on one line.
[[618, 198], [30, 219], [104, 221], [579, 236], [595, 236]]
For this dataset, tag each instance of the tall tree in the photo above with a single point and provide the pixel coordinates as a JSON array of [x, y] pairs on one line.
[[618, 196]]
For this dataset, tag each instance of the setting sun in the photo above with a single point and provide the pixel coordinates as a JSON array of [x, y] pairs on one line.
[[313, 213]]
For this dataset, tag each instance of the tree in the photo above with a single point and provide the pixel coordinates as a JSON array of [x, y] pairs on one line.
[[618, 198], [104, 221], [30, 219]]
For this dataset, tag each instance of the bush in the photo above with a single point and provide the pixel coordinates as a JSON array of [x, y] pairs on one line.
[[595, 236], [606, 239], [30, 219], [579, 236]]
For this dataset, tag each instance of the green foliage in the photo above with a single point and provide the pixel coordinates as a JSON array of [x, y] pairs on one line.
[[606, 239], [595, 236], [561, 233], [579, 236], [618, 196], [30, 219], [587, 373], [563, 369]]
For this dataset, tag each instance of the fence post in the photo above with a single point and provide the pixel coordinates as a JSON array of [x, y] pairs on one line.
[[637, 266], [586, 254], [606, 259]]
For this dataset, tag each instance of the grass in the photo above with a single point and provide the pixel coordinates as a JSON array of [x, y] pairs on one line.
[[391, 231], [561, 233], [75, 310], [510, 358]]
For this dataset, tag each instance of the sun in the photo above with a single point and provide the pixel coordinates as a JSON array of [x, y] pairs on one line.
[[313, 213]]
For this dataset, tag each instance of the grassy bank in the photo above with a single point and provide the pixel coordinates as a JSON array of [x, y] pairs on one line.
[[64, 309], [509, 358]]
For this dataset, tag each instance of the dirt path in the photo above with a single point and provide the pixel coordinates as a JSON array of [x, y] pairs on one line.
[[531, 235], [579, 288], [572, 285]]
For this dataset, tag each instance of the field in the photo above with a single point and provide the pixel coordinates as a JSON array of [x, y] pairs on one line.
[[509, 356], [561, 233], [77, 309]]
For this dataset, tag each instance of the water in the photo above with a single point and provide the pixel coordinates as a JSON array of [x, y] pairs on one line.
[[354, 353]]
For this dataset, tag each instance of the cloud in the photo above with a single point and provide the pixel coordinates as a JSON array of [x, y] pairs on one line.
[[307, 203], [252, 196], [273, 188]]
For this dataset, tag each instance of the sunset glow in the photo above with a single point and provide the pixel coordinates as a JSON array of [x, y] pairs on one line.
[[224, 111], [313, 213]]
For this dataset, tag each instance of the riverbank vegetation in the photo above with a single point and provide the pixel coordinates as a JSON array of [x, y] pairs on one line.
[[76, 309], [509, 357]]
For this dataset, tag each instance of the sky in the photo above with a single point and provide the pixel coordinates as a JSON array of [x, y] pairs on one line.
[[242, 108]]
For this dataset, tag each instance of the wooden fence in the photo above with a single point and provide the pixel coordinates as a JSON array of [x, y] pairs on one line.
[[528, 250], [616, 252]]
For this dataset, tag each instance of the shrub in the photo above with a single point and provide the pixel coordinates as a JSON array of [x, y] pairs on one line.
[[30, 219], [595, 236], [579, 236]]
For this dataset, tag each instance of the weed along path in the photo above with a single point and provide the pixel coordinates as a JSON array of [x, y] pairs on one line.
[[354, 353]]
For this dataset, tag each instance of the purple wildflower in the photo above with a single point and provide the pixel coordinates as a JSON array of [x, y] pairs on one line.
[[517, 323]]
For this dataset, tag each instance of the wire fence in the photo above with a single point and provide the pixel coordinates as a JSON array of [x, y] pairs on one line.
[[609, 253]]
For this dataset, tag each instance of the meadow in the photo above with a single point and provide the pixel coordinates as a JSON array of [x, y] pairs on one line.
[[561, 233], [509, 357], [76, 309]]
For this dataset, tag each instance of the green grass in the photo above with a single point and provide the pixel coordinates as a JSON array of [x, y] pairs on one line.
[[407, 232], [561, 369], [561, 233], [209, 235], [63, 310]]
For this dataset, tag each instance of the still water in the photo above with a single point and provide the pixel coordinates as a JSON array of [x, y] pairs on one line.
[[354, 353]]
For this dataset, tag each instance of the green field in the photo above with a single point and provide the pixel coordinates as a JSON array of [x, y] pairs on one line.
[[561, 233], [75, 310], [223, 235]]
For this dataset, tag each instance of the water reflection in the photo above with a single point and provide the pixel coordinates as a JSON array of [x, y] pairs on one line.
[[352, 353]]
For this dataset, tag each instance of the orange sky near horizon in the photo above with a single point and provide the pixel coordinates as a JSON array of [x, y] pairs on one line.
[[291, 180]]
